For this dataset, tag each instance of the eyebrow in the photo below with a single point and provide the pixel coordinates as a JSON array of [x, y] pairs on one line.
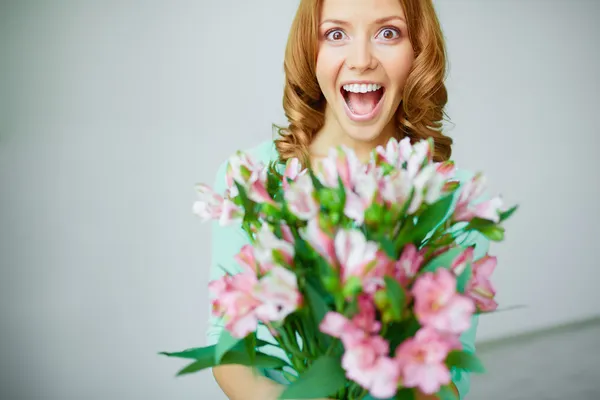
[[378, 21]]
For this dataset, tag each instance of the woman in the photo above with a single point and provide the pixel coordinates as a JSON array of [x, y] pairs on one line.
[[358, 72]]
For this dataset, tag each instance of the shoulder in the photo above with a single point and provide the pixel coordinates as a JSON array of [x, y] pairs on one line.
[[262, 152]]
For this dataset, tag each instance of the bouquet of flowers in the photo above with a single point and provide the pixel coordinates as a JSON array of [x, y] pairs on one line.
[[355, 269]]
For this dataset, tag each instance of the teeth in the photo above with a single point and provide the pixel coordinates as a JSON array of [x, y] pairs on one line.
[[361, 88]]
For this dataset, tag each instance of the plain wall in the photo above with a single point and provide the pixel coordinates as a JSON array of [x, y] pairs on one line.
[[111, 111]]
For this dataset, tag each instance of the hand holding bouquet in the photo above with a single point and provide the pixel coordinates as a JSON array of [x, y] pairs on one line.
[[356, 270]]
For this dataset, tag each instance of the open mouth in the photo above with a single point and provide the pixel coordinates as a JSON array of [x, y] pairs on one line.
[[362, 100]]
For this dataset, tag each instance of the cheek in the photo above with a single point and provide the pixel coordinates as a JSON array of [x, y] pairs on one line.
[[398, 67], [328, 66]]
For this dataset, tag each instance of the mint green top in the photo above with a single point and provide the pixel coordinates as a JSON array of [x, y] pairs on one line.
[[228, 241]]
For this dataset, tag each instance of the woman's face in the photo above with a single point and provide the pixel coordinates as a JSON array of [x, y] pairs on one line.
[[364, 58]]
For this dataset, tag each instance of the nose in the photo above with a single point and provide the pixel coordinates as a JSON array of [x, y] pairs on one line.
[[360, 55]]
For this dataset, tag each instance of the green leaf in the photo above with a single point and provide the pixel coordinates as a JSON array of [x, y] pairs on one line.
[[249, 213], [446, 393], [443, 260], [226, 342], [463, 279], [398, 332], [479, 223], [494, 233], [405, 394], [322, 379], [369, 396], [250, 346], [319, 307], [396, 295], [234, 357], [508, 213], [315, 181], [467, 361], [433, 215], [389, 247], [194, 353], [405, 234]]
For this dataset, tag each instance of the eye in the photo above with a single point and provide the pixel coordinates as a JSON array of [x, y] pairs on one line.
[[389, 33], [335, 35]]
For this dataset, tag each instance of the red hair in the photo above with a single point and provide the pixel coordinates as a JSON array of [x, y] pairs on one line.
[[421, 112]]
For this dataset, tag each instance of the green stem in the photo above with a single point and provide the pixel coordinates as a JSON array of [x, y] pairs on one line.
[[306, 339], [331, 347]]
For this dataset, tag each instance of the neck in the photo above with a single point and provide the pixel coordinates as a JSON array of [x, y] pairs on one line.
[[332, 135]]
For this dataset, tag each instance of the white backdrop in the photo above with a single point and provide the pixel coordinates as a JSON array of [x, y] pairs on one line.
[[111, 111]]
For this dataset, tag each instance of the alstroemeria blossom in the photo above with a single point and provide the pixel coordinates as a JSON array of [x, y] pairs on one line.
[[234, 301], [320, 240], [480, 288], [356, 255], [421, 360], [278, 293], [269, 249], [365, 358], [212, 206], [437, 304], [462, 260], [292, 170], [300, 198], [409, 263], [239, 169], [367, 363], [469, 206], [209, 204], [340, 164], [363, 195]]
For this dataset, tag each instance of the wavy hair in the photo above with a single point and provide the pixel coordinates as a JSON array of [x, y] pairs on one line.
[[421, 112]]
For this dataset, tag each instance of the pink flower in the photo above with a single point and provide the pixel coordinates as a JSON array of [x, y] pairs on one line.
[[460, 262], [239, 168], [479, 288], [446, 169], [466, 208], [341, 163], [365, 358], [230, 213], [300, 198], [366, 362], [363, 195], [365, 319], [421, 155], [408, 264], [356, 255], [209, 204], [396, 187], [269, 249], [437, 304], [246, 259], [234, 301], [251, 175], [292, 171], [319, 240], [257, 186], [279, 295], [422, 361], [286, 233], [430, 183], [335, 324]]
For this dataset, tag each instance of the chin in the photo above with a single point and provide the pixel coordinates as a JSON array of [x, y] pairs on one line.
[[365, 134]]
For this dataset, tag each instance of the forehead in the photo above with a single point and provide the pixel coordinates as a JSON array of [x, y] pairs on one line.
[[360, 9]]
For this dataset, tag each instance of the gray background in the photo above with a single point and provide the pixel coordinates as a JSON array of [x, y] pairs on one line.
[[110, 112]]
